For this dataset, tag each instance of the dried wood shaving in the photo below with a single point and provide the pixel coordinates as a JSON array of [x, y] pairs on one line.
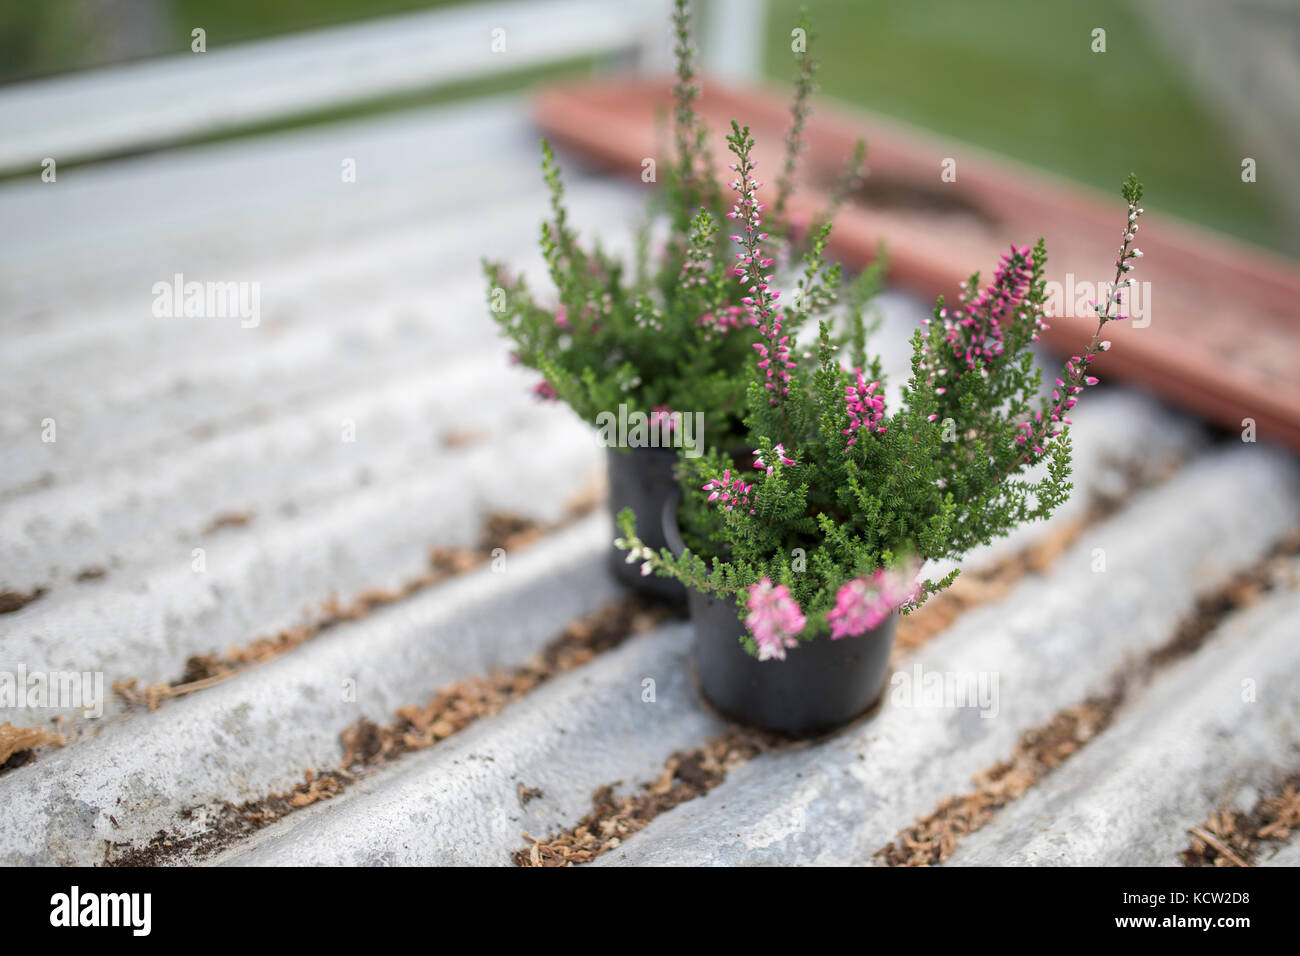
[[228, 519], [16, 741]]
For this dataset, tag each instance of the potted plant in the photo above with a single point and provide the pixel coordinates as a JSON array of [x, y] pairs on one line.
[[651, 356], [798, 566]]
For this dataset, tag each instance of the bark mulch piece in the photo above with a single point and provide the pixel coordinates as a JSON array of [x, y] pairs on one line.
[[367, 744], [1229, 838], [613, 818], [1042, 749], [11, 601], [229, 519]]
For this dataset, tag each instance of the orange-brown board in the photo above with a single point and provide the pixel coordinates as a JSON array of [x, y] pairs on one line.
[[1215, 327]]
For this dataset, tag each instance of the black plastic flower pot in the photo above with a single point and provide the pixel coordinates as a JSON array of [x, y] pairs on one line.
[[642, 479], [819, 687]]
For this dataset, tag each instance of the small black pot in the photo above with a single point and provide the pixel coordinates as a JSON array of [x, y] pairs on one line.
[[642, 479], [819, 687]]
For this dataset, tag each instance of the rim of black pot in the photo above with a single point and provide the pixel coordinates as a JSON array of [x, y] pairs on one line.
[[668, 522]]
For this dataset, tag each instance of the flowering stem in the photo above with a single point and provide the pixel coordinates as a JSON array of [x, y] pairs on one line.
[[1074, 376], [760, 298]]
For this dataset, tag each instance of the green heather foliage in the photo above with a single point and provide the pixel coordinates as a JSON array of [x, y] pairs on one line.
[[844, 495], [669, 337]]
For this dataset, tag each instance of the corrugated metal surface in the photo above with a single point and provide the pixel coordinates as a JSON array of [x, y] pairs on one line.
[[176, 434]]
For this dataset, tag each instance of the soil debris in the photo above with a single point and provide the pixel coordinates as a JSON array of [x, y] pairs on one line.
[[459, 704], [1230, 838], [613, 818]]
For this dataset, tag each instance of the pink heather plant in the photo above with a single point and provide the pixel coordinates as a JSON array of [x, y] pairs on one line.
[[848, 497], [672, 336]]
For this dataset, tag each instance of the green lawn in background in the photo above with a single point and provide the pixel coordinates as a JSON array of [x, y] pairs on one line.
[[1018, 77]]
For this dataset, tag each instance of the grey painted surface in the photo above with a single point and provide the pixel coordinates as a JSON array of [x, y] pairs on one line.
[[458, 803], [260, 731], [1216, 731]]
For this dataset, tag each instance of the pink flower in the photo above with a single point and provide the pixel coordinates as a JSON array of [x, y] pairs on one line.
[[780, 454], [545, 391], [865, 602], [976, 332], [729, 491], [774, 619], [865, 407], [724, 320], [562, 317]]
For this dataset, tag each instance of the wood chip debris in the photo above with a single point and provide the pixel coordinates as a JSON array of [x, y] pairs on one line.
[[1229, 838], [613, 818], [16, 743], [11, 601]]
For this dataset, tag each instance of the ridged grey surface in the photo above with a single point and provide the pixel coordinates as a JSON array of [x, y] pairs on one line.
[[260, 731], [1215, 732], [373, 311], [459, 803]]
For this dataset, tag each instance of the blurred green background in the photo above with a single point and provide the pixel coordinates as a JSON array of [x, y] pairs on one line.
[[1017, 77]]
